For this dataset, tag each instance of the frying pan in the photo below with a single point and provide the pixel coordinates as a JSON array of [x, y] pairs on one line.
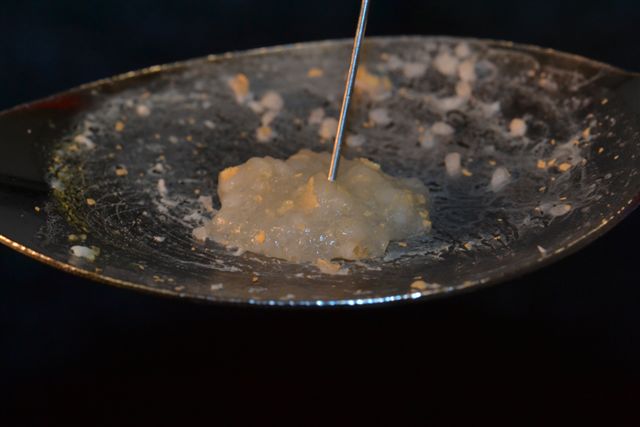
[[108, 180]]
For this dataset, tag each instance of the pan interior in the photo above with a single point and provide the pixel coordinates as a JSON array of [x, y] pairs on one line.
[[129, 176]]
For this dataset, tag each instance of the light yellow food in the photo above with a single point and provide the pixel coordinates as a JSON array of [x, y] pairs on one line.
[[289, 210]]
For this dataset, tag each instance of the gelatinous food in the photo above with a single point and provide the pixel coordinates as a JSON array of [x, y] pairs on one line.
[[288, 209]]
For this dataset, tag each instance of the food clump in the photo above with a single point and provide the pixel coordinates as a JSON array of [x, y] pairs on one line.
[[288, 209]]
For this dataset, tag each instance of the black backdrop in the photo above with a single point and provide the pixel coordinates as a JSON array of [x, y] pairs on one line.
[[562, 340]]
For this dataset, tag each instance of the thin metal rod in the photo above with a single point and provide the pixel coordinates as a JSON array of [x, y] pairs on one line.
[[351, 79]]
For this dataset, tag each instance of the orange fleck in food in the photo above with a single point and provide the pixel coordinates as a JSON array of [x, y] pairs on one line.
[[542, 164], [260, 237], [119, 126], [228, 173], [91, 202], [466, 172]]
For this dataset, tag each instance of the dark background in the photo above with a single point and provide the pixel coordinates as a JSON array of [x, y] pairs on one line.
[[558, 346]]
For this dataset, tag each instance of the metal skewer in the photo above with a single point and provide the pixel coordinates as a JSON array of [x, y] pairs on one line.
[[353, 68]]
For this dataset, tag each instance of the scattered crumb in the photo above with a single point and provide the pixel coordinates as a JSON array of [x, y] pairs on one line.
[[264, 134], [37, 209], [467, 71], [393, 61], [466, 172], [376, 87], [380, 116], [563, 167], [159, 239], [414, 70], [239, 84], [328, 128], [541, 164], [143, 111], [463, 89], [446, 64], [468, 246], [555, 209], [255, 106], [542, 250], [90, 254], [272, 101], [547, 84], [269, 117], [499, 179], [84, 140], [419, 285], [452, 164], [158, 168], [445, 104], [517, 127], [355, 140], [600, 150], [314, 73], [121, 171], [209, 124], [91, 202], [328, 267], [560, 210], [200, 233], [462, 50], [316, 116], [119, 127], [162, 187], [442, 129]]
